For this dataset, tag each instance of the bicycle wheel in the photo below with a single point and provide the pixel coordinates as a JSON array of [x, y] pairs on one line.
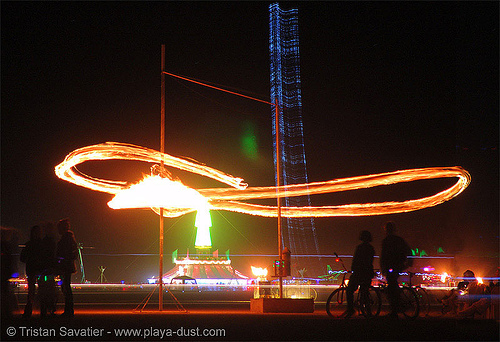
[[336, 304], [370, 306], [408, 302], [423, 301]]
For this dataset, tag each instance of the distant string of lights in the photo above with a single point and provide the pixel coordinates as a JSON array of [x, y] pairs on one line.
[[256, 255], [180, 199], [446, 276]]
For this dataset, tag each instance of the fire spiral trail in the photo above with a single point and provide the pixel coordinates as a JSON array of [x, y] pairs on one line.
[[178, 199]]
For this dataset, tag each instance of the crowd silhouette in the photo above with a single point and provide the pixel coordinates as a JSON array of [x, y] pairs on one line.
[[393, 260], [45, 259]]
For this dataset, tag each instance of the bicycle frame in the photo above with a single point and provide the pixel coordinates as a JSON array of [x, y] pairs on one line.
[[408, 298], [363, 304]]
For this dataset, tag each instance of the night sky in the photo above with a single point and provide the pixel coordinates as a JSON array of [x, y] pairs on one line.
[[386, 86]]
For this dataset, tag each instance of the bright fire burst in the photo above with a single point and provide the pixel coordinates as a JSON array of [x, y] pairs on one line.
[[163, 192], [158, 192], [259, 271]]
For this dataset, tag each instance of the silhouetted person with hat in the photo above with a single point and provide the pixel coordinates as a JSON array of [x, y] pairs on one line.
[[31, 255], [362, 271], [393, 260], [66, 254]]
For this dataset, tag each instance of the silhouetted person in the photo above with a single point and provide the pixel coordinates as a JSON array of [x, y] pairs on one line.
[[9, 246], [362, 271], [451, 299], [66, 254], [477, 299], [47, 285], [31, 255], [393, 260]]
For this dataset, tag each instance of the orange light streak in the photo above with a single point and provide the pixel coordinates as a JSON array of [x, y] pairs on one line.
[[229, 199]]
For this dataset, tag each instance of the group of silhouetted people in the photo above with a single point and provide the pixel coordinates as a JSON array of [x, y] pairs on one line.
[[393, 260], [45, 259]]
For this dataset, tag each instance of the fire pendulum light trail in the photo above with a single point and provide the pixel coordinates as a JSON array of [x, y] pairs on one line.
[[177, 199]]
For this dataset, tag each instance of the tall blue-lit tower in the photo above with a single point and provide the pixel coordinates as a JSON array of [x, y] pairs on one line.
[[298, 234]]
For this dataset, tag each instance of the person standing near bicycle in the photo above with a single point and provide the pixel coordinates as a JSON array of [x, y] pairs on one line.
[[362, 271], [393, 260]]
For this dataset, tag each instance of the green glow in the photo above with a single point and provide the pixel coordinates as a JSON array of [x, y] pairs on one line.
[[203, 223], [249, 141], [416, 252]]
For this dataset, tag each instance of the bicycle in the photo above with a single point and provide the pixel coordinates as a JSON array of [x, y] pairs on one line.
[[367, 304], [408, 300], [422, 296]]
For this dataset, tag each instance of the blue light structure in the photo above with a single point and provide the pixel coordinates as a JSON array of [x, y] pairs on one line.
[[297, 233]]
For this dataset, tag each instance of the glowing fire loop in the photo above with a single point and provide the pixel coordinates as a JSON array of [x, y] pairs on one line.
[[178, 199]]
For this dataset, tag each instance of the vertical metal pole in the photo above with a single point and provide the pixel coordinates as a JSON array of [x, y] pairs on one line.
[[278, 183], [162, 150], [82, 269]]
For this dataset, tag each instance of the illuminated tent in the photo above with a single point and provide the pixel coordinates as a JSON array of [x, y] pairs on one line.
[[207, 271]]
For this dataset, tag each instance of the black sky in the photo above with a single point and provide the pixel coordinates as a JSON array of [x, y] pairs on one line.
[[386, 86]]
